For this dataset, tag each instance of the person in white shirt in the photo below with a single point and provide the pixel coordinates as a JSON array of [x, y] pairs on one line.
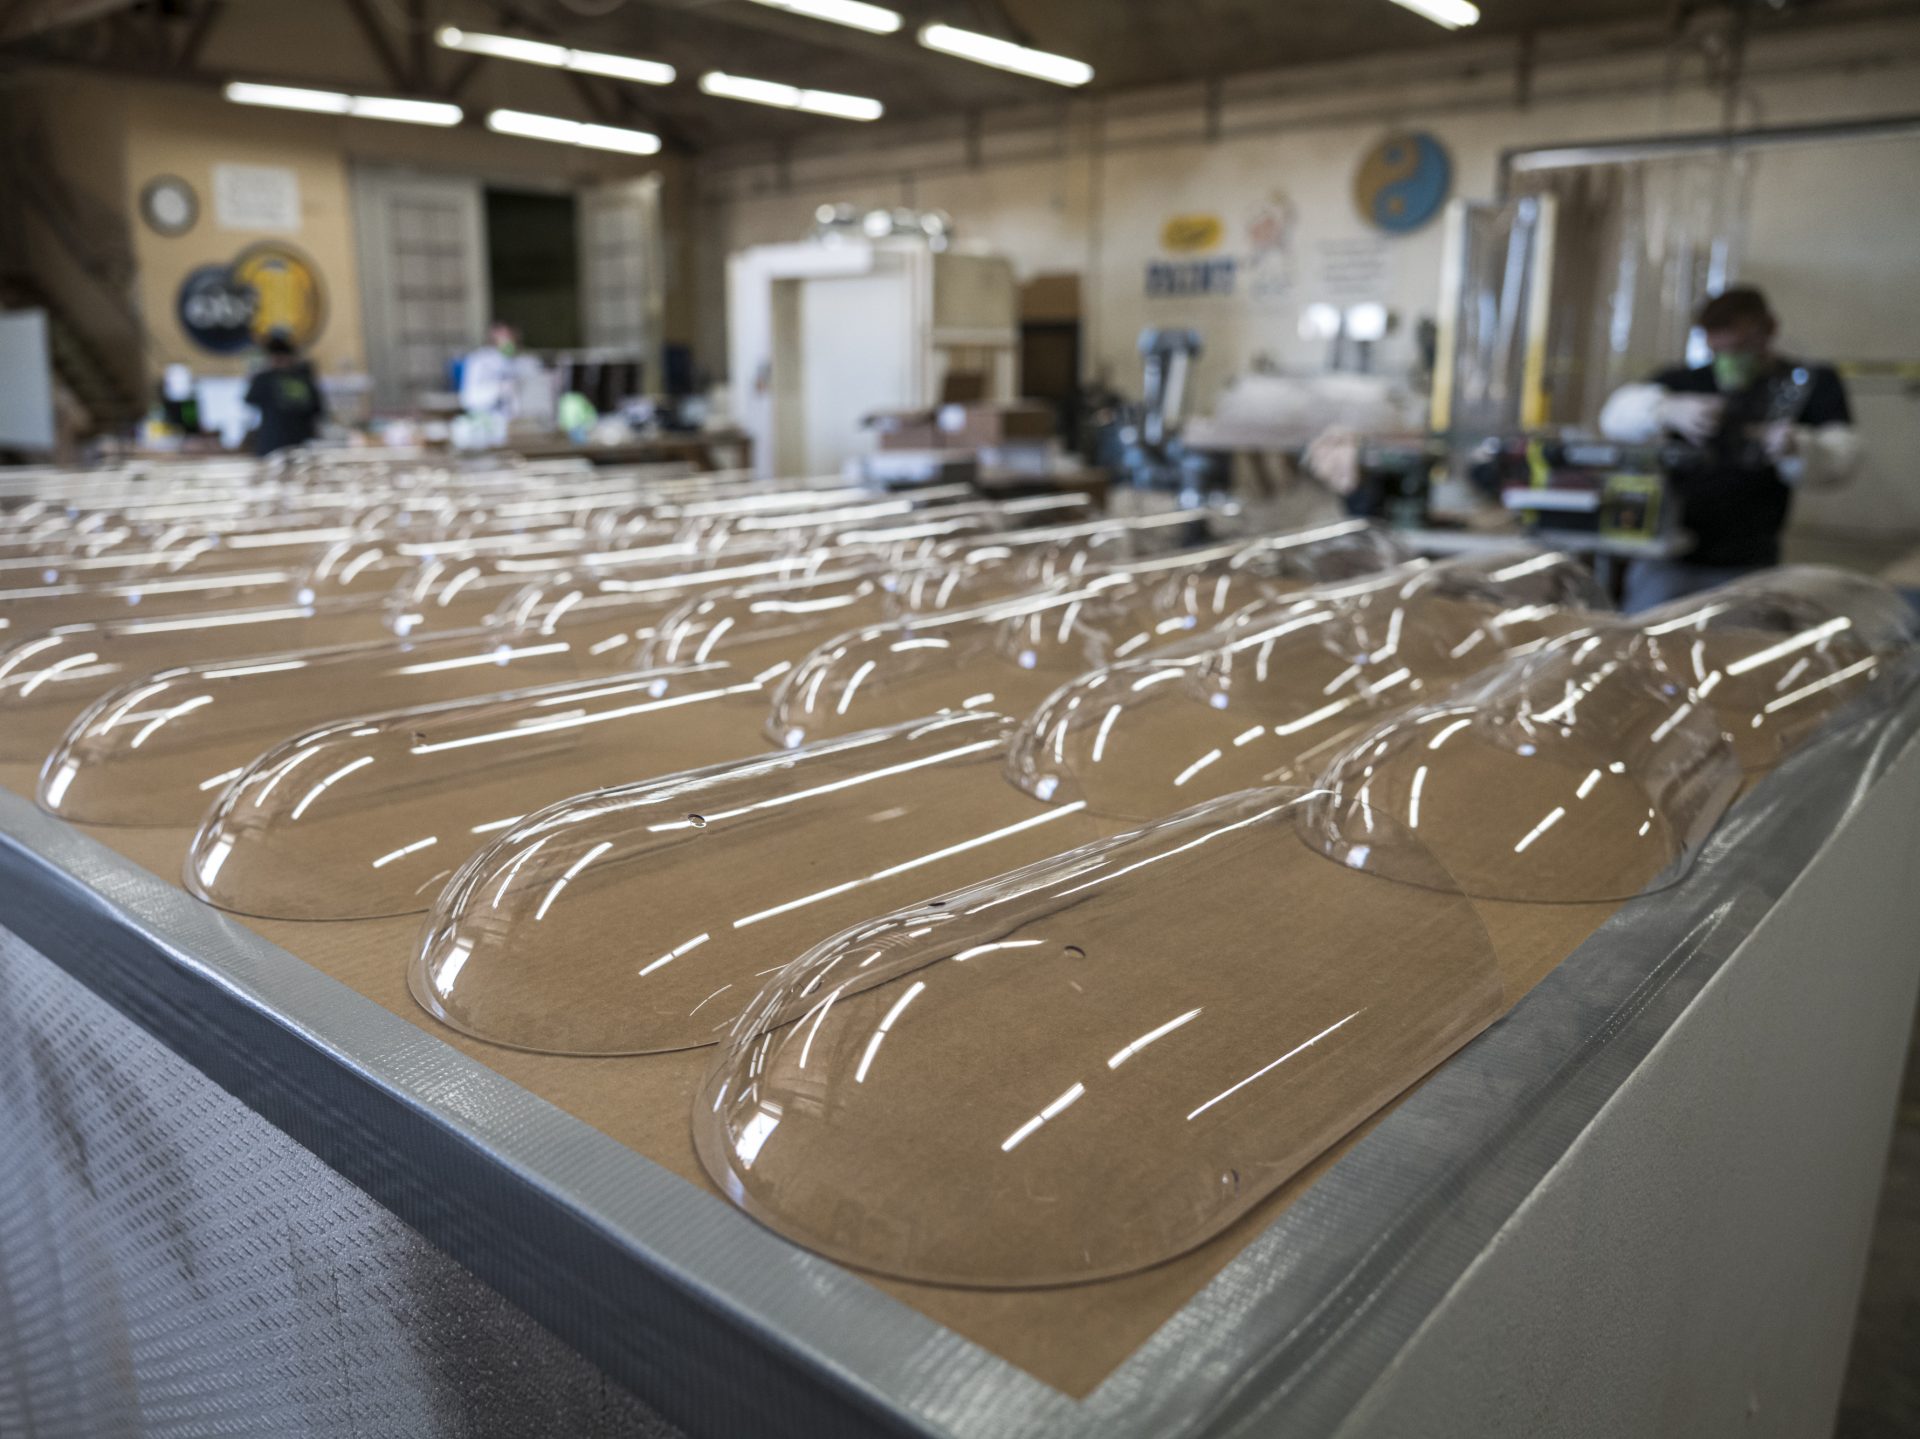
[[499, 380]]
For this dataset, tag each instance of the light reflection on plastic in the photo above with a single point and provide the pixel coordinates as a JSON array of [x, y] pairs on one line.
[[1269, 1068], [880, 1033]]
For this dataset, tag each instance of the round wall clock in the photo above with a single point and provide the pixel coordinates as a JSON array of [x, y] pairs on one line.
[[169, 206]]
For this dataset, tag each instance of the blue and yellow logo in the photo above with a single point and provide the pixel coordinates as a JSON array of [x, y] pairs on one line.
[[266, 288], [1403, 181]]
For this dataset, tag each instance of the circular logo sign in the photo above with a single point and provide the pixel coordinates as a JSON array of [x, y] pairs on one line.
[[268, 288], [215, 310], [287, 290], [1403, 181]]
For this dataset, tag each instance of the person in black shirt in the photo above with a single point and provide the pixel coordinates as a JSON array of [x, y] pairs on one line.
[[287, 397], [1743, 432]]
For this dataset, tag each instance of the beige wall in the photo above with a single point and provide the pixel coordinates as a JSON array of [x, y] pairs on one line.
[[1088, 189], [109, 137], [187, 133]]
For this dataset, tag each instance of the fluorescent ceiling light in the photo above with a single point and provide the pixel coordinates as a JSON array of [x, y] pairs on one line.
[[1005, 55], [502, 47], [331, 102], [288, 97], [411, 112], [1450, 13], [572, 132], [875, 19], [790, 97], [556, 57], [621, 67]]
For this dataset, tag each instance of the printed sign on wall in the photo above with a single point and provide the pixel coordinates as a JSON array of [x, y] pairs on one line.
[[256, 197], [1185, 279], [1194, 234], [1271, 230], [1191, 234], [266, 288]]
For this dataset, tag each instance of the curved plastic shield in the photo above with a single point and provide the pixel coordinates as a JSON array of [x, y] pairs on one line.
[[1094, 1064], [46, 682], [368, 817], [812, 528], [1265, 698], [463, 589], [1147, 737], [1574, 774], [30, 610], [1060, 555], [1462, 614], [616, 923], [1008, 657], [757, 626], [197, 552], [944, 586], [659, 591], [1777, 654], [160, 750], [355, 569], [1003, 658]]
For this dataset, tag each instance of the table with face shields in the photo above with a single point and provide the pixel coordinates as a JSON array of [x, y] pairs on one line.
[[513, 948]]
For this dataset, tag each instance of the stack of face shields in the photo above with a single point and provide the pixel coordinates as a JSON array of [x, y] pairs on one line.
[[832, 833], [1050, 889], [1155, 1030], [439, 597], [421, 789]]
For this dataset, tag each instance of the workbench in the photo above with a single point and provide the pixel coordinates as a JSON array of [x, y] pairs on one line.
[[242, 1197]]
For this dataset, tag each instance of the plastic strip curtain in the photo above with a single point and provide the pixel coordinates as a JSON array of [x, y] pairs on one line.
[[1639, 244]]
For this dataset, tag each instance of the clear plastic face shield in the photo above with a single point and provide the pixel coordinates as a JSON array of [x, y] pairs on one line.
[[1267, 698], [369, 817], [1573, 774], [1774, 656], [1059, 1076], [616, 922], [1007, 657]]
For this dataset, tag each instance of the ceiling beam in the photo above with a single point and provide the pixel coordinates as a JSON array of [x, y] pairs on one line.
[[375, 34], [419, 46], [188, 55], [23, 18], [470, 66], [999, 19]]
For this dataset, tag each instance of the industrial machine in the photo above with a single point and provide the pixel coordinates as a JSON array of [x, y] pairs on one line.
[[1150, 454]]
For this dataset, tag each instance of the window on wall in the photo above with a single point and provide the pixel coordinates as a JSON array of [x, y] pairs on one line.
[[534, 266]]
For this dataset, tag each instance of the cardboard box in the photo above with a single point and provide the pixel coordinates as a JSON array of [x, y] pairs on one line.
[[905, 430], [980, 426]]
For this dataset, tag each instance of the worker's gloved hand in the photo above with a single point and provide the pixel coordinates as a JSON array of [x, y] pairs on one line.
[[1692, 417], [1780, 439], [1334, 460]]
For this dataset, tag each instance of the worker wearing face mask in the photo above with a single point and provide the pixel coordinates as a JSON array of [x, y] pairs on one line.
[[1742, 433], [500, 382]]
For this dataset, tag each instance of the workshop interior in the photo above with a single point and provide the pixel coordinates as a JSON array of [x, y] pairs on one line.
[[976, 719]]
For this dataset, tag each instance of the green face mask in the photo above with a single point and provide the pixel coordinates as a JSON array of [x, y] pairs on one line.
[[1734, 370], [508, 348]]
